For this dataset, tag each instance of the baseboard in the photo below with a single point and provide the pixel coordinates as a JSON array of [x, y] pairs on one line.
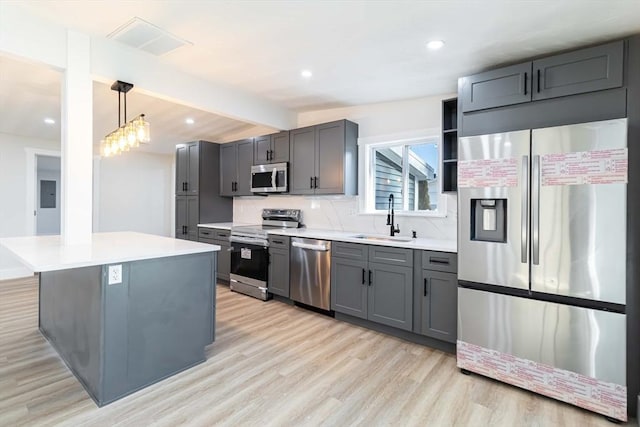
[[15, 273]]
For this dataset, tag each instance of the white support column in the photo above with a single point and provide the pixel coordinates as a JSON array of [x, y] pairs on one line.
[[77, 141]]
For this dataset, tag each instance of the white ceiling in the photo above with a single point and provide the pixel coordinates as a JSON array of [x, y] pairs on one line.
[[359, 51]]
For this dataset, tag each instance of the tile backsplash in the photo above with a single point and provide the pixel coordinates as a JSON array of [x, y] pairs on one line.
[[341, 213]]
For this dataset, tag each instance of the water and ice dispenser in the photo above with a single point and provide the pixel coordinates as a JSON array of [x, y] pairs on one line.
[[489, 220]]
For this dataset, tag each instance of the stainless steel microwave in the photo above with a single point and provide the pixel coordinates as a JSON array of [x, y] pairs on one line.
[[271, 178]]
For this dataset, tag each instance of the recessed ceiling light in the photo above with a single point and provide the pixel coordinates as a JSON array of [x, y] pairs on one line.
[[306, 74], [435, 44], [189, 121], [49, 121]]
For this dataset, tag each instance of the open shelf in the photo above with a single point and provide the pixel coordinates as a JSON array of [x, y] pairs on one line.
[[450, 145]]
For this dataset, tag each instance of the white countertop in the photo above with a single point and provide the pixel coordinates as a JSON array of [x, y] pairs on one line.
[[422, 243], [48, 253]]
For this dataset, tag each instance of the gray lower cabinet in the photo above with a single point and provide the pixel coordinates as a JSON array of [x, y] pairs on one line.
[[439, 305], [349, 285], [187, 217], [373, 283], [220, 238], [278, 281], [436, 294]]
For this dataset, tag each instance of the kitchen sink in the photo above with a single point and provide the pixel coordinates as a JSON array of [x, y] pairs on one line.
[[383, 238]]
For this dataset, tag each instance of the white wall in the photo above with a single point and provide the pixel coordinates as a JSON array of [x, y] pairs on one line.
[[13, 193], [135, 193], [375, 121]]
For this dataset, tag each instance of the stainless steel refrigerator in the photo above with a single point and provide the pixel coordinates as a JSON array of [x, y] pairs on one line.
[[542, 260]]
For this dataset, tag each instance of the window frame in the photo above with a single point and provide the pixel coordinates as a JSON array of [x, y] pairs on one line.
[[367, 148]]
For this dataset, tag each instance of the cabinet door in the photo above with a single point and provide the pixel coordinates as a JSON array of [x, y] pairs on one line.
[[496, 88], [245, 161], [224, 260], [181, 217], [439, 305], [182, 167], [390, 295], [302, 156], [279, 272], [262, 150], [584, 70], [349, 283], [280, 147], [194, 168], [330, 158], [193, 217], [228, 171]]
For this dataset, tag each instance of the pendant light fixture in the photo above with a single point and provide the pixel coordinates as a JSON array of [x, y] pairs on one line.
[[128, 135]]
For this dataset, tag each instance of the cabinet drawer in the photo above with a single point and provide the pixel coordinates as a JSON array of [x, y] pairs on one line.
[[213, 233], [207, 240], [389, 255], [279, 242], [440, 261], [353, 251]]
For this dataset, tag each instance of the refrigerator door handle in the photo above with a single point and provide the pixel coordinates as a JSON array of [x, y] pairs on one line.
[[535, 211], [524, 220]]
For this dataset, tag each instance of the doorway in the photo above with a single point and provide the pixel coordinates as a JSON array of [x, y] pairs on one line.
[[47, 191]]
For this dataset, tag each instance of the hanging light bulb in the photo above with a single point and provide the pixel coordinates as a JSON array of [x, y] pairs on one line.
[[129, 134]]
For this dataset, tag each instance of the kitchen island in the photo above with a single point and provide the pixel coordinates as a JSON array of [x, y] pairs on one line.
[[125, 310]]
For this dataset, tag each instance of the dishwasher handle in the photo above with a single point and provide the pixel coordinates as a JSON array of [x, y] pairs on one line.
[[320, 248]]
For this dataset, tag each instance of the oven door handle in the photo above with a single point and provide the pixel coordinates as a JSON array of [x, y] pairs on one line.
[[249, 241], [322, 248]]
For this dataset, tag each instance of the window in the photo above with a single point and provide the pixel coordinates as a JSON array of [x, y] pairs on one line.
[[407, 169]]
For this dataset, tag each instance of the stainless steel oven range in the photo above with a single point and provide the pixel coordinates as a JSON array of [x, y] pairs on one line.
[[250, 251]]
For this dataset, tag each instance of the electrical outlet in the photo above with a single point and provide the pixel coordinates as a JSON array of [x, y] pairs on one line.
[[115, 274]]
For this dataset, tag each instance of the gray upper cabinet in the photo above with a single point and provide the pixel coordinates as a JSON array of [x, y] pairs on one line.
[[182, 169], [197, 188], [228, 169], [496, 88], [373, 282], [279, 147], [262, 149], [303, 153], [245, 161], [580, 71], [440, 305], [271, 148], [324, 159], [236, 159]]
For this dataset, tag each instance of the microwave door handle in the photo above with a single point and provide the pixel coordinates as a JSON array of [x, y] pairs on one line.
[[274, 175]]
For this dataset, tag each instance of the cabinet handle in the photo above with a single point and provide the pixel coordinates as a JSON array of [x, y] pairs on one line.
[[434, 260], [279, 242], [525, 82], [370, 279], [538, 80], [425, 286], [268, 155], [311, 182], [184, 229], [315, 182], [186, 186], [271, 154], [363, 280], [206, 233]]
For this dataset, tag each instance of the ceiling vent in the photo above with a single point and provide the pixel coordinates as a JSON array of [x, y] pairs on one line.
[[143, 35]]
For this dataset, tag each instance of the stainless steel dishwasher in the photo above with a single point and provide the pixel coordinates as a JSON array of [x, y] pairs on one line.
[[310, 272]]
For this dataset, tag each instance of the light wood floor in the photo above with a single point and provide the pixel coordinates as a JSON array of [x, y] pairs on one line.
[[272, 364]]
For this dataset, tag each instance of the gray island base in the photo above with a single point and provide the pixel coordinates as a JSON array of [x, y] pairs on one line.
[[119, 333]]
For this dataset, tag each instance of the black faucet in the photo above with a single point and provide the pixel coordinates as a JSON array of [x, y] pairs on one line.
[[390, 218]]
